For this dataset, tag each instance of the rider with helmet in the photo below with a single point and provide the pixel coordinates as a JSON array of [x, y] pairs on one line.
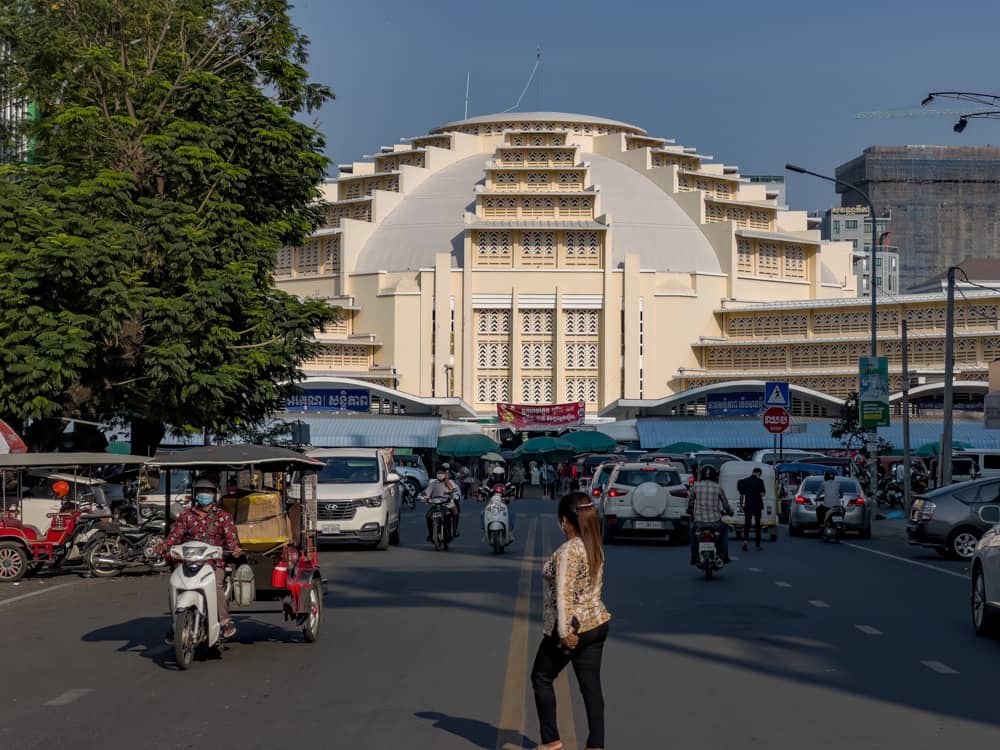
[[442, 486], [498, 475], [707, 504], [206, 522], [828, 497]]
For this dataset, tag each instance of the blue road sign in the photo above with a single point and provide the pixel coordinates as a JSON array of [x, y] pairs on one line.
[[776, 394]]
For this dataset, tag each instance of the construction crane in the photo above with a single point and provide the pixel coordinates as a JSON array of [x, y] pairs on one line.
[[964, 115], [889, 114]]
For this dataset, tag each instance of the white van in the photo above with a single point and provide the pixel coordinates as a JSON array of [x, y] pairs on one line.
[[788, 456], [987, 459], [730, 474], [358, 496]]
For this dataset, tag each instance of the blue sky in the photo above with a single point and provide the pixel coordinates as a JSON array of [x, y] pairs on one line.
[[753, 84]]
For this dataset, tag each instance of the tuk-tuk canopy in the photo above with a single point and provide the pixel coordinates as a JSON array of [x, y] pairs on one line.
[[803, 468], [234, 457], [67, 460]]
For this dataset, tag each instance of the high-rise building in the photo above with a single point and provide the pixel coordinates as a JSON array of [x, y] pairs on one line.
[[853, 224], [944, 202]]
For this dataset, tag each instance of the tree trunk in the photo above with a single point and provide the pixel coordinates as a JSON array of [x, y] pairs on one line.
[[146, 437]]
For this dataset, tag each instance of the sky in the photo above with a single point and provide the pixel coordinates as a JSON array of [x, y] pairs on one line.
[[755, 85]]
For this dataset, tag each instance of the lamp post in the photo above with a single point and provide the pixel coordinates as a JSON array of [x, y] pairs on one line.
[[871, 288]]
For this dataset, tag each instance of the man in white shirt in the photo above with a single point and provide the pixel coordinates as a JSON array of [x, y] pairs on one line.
[[829, 496]]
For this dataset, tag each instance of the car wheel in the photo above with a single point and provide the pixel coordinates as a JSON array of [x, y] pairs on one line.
[[962, 543], [394, 536], [985, 621], [413, 485], [383, 542]]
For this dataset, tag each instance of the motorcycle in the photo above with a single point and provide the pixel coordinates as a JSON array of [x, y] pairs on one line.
[[409, 495], [496, 521], [709, 557], [193, 601], [442, 522], [892, 493], [123, 545], [833, 524]]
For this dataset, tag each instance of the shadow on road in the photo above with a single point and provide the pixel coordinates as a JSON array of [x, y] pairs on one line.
[[479, 733]]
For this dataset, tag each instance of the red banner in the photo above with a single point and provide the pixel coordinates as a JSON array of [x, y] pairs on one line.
[[541, 418]]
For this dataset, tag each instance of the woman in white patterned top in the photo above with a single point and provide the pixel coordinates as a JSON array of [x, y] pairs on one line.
[[575, 621]]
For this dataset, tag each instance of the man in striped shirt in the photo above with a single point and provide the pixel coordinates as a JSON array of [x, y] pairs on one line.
[[707, 504]]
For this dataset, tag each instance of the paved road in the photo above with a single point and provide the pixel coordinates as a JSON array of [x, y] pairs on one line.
[[800, 645]]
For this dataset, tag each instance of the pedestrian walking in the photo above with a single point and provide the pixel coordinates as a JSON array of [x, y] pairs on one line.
[[549, 480], [536, 474], [517, 477], [575, 621], [752, 490]]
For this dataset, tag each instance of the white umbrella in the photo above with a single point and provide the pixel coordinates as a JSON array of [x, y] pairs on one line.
[[495, 457], [10, 441]]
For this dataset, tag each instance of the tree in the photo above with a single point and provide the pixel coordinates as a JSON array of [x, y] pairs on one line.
[[137, 245], [848, 427]]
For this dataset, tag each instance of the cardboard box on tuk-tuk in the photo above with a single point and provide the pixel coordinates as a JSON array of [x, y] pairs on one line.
[[261, 521]]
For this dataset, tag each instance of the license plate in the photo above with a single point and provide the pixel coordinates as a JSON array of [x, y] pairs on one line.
[[649, 524], [325, 527], [706, 547]]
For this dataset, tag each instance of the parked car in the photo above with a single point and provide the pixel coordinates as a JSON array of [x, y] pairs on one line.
[[682, 463], [787, 456], [411, 468], [711, 458], [985, 575], [987, 460], [644, 499], [599, 482], [947, 519], [590, 463], [802, 512], [359, 496]]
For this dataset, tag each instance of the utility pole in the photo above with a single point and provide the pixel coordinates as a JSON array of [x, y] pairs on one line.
[[907, 493], [944, 469]]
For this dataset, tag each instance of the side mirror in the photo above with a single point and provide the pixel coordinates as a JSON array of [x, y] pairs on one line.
[[393, 478], [990, 514]]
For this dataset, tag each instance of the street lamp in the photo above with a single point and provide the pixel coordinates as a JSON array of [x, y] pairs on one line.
[[871, 288]]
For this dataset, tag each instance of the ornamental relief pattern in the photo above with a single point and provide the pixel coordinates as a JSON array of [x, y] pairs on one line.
[[582, 322], [537, 322], [536, 356], [536, 391], [494, 355], [582, 389], [581, 356], [492, 390], [493, 322]]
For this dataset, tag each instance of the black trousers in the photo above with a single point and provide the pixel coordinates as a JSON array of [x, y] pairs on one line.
[[751, 516], [586, 661], [821, 511]]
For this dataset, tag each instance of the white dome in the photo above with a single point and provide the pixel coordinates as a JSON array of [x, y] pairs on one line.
[[644, 221]]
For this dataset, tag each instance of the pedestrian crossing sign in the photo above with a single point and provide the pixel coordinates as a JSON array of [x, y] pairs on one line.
[[776, 394]]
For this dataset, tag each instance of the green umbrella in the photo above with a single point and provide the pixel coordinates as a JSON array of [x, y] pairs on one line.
[[590, 441], [933, 449], [472, 445], [546, 449], [682, 447]]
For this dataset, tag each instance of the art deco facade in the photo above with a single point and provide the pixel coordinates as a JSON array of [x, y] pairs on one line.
[[549, 257]]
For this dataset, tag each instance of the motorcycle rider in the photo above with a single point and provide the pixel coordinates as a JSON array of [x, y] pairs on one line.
[[206, 522], [828, 497], [442, 486], [498, 476], [707, 504]]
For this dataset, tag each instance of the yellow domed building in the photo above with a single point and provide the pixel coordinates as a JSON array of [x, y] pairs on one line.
[[543, 258]]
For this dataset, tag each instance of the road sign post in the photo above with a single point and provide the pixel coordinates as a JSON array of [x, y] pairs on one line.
[[776, 394]]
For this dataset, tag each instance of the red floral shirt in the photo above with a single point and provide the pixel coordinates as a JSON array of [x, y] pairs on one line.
[[214, 527]]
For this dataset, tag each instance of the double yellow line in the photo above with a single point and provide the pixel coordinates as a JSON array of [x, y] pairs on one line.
[[515, 693]]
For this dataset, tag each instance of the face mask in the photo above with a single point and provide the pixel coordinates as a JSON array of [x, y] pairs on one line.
[[204, 499], [441, 477]]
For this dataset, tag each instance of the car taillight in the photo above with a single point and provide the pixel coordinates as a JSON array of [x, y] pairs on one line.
[[617, 493], [857, 501], [681, 492], [803, 500], [611, 520], [597, 492], [691, 480]]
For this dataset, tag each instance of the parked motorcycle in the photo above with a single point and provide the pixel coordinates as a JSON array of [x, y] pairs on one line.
[[833, 524], [709, 556], [442, 522], [496, 518], [891, 492], [193, 601], [409, 494], [122, 546]]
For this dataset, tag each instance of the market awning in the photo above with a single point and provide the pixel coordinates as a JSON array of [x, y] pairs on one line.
[[372, 432]]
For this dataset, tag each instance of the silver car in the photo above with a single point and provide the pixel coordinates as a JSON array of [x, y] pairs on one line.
[[985, 572], [860, 511]]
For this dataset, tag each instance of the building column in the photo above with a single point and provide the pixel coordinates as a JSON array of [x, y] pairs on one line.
[[442, 323], [559, 355], [515, 348], [631, 301]]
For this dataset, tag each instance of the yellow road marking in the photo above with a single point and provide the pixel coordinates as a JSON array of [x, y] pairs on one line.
[[511, 727]]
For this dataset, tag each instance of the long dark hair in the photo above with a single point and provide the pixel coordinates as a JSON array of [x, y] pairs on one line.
[[578, 509]]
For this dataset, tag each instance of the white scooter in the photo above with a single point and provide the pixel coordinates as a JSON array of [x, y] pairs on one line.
[[193, 600], [496, 519]]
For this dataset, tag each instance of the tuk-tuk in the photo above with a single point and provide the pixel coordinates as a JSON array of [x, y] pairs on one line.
[[276, 528], [730, 473], [790, 476], [37, 529]]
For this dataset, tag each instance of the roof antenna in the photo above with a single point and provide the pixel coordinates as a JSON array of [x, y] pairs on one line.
[[538, 83], [538, 59], [467, 75]]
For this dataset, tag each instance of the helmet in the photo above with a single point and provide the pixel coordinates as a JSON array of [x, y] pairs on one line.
[[828, 475], [200, 492], [497, 470], [710, 473], [60, 489]]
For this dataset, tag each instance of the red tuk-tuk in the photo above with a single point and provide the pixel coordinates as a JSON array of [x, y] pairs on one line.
[[38, 532]]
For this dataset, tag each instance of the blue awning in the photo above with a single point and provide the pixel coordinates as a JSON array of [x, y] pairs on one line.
[[371, 432], [747, 433]]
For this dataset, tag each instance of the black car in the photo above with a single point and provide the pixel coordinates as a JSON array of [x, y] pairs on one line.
[[947, 519]]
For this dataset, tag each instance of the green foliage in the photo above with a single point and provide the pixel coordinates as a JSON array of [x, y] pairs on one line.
[[137, 246], [847, 427]]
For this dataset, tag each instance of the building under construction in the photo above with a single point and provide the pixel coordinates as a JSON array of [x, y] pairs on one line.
[[944, 202]]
